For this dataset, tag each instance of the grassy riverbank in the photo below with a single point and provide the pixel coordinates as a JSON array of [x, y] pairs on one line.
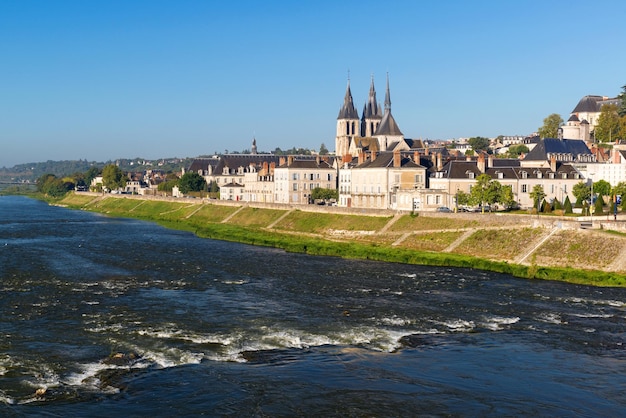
[[484, 242]]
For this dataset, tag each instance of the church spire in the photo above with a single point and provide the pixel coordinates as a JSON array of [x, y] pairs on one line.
[[387, 96], [348, 111]]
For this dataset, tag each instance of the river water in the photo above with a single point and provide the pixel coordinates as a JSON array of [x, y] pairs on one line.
[[117, 317]]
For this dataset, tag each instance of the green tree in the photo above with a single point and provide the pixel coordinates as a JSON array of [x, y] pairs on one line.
[[516, 150], [608, 128], [167, 185], [598, 206], [602, 188], [324, 194], [478, 143], [112, 177], [91, 174], [537, 195], [551, 125], [581, 191], [619, 189], [50, 185], [191, 182], [323, 149], [485, 191], [567, 205], [506, 197], [622, 96]]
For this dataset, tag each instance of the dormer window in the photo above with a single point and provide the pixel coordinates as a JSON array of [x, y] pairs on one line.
[[564, 175], [524, 174], [539, 174], [500, 175], [551, 175]]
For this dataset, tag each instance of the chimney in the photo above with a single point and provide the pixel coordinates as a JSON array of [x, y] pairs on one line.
[[361, 157], [272, 167], [468, 158], [426, 151], [373, 155], [416, 157], [281, 161], [490, 161], [553, 163], [439, 162], [265, 168], [615, 156], [481, 162], [317, 160], [397, 159], [346, 159], [289, 160]]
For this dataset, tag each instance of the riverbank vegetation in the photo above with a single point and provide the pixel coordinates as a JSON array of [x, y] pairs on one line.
[[486, 242]]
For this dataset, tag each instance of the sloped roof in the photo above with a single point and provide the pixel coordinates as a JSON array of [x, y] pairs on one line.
[[348, 111], [308, 163], [388, 126], [367, 143], [385, 160], [574, 147], [588, 104], [232, 161]]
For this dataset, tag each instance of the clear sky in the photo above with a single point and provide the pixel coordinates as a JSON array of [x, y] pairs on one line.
[[107, 79]]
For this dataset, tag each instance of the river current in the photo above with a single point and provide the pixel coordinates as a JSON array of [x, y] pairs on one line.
[[118, 317]]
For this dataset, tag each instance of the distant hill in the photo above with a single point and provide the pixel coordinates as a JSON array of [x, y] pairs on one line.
[[30, 172]]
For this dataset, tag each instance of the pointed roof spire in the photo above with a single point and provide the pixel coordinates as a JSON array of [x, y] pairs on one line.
[[387, 96], [348, 111]]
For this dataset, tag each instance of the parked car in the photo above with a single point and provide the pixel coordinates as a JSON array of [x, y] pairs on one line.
[[444, 209]]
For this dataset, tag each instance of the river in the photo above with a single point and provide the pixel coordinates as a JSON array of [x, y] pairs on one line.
[[118, 317]]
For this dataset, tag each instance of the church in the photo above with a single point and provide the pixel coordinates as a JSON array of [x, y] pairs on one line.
[[375, 131]]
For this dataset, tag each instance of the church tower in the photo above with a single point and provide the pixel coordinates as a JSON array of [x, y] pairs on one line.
[[347, 124], [388, 130], [372, 114]]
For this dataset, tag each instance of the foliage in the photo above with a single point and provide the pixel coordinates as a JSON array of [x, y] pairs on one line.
[[581, 191], [478, 143], [546, 207], [507, 198], [602, 188], [567, 205], [324, 194], [292, 151], [537, 195], [112, 177], [167, 185], [608, 128], [192, 182], [622, 108], [551, 125], [516, 150], [323, 149], [598, 207], [462, 198], [619, 189], [51, 185]]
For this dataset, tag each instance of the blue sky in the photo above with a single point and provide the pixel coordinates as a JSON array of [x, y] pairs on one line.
[[100, 80]]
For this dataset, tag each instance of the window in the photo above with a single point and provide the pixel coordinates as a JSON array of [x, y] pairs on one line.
[[524, 174], [295, 187], [524, 188]]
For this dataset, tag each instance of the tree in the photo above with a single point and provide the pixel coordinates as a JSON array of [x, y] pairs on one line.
[[516, 150], [551, 125], [485, 191], [608, 128], [567, 205], [112, 177], [323, 149], [602, 188], [478, 143], [52, 186], [191, 182], [537, 194], [622, 108], [598, 207], [507, 198], [324, 194], [581, 191]]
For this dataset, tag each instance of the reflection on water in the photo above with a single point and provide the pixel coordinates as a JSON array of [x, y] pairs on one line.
[[104, 317]]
